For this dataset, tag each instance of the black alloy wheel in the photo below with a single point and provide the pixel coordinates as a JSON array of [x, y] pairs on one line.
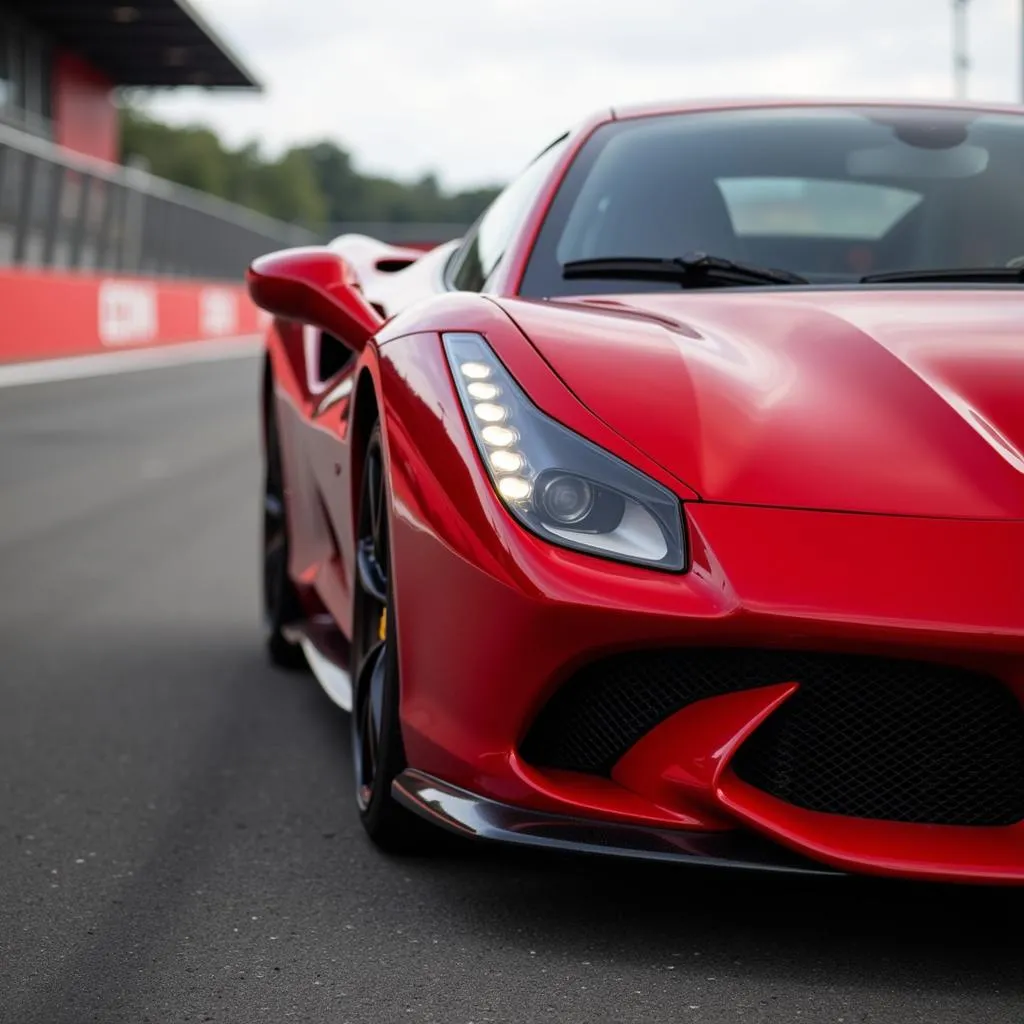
[[281, 605], [377, 749]]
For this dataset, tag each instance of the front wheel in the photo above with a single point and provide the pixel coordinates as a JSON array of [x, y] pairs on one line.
[[377, 748]]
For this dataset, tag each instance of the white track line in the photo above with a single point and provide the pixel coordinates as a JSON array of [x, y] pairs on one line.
[[101, 364]]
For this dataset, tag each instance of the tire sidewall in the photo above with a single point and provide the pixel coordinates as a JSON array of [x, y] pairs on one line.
[[391, 753], [281, 606]]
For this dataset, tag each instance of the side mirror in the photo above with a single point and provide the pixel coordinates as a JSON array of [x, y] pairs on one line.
[[316, 286]]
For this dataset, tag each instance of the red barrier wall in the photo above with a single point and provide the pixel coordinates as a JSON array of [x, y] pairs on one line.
[[45, 315]]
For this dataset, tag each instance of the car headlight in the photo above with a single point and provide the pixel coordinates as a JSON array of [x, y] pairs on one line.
[[559, 485]]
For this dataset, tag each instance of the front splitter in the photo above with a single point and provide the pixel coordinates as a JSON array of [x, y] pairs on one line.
[[476, 817]]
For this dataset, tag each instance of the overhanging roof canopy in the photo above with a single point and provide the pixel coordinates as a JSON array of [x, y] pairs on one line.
[[151, 43]]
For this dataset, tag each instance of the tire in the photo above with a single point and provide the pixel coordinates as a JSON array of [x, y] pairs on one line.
[[377, 750], [281, 605]]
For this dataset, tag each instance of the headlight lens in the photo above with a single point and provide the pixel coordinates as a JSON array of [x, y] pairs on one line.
[[560, 485]]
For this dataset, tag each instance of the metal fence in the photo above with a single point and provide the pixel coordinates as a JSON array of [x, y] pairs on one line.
[[64, 211]]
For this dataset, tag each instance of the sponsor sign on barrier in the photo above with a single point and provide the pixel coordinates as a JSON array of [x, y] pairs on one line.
[[218, 312], [46, 314], [128, 313]]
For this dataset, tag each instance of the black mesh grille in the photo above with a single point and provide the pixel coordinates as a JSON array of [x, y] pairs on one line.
[[866, 737], [924, 744], [607, 706]]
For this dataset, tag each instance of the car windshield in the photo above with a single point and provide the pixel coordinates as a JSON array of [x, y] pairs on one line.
[[830, 193]]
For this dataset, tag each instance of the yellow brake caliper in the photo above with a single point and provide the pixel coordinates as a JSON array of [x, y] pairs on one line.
[[382, 628]]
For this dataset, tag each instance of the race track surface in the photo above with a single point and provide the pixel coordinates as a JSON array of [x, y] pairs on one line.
[[177, 839]]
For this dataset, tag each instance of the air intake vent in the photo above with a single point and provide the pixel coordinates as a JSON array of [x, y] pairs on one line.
[[865, 737]]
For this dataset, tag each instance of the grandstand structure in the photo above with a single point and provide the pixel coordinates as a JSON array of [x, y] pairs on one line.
[[66, 204]]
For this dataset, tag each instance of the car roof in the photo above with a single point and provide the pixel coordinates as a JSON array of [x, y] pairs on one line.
[[666, 107]]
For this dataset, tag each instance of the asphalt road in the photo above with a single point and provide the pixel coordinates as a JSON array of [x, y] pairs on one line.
[[177, 841]]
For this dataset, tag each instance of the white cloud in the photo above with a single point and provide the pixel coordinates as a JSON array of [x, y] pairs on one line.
[[473, 88]]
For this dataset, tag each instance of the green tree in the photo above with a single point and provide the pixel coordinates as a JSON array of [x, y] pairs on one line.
[[341, 187], [191, 156], [288, 190], [315, 185]]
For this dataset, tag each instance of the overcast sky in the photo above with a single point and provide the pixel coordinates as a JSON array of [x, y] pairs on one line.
[[471, 89]]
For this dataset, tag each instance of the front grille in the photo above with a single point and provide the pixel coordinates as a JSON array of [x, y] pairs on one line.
[[924, 744], [865, 737], [608, 705]]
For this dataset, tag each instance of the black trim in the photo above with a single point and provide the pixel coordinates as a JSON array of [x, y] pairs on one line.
[[453, 266], [476, 817], [449, 268]]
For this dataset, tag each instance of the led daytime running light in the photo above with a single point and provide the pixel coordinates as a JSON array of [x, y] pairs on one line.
[[556, 483]]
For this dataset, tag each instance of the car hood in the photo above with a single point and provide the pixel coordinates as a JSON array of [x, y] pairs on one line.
[[900, 401]]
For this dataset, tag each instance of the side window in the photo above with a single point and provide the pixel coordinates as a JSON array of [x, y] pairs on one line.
[[488, 240]]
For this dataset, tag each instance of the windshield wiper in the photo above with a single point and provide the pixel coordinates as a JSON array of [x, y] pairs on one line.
[[980, 275], [695, 270]]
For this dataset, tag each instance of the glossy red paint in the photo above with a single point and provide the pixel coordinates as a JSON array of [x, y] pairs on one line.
[[808, 400], [316, 286], [679, 763], [933, 852], [546, 390], [851, 476]]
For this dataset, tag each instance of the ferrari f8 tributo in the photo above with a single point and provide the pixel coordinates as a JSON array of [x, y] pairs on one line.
[[677, 510]]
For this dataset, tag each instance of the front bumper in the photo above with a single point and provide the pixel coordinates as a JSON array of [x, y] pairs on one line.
[[493, 622], [483, 657], [475, 817]]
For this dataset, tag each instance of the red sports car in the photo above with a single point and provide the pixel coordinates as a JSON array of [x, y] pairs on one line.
[[677, 511]]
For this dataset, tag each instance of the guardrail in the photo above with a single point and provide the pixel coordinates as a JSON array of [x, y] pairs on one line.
[[68, 212]]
